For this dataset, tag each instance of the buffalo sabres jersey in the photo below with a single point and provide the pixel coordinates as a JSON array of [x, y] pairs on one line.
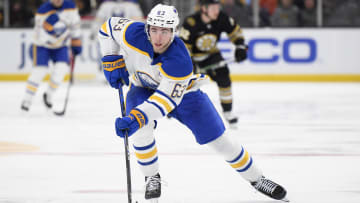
[[55, 26], [169, 74], [201, 38]]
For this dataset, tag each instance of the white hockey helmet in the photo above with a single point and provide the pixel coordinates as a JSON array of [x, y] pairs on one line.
[[163, 16]]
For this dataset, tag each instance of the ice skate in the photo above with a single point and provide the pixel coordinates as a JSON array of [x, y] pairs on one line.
[[47, 100], [231, 119], [270, 189], [153, 188]]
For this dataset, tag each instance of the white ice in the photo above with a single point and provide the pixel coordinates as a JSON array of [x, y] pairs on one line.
[[305, 136]]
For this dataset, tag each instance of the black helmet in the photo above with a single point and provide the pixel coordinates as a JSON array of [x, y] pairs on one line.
[[206, 2]]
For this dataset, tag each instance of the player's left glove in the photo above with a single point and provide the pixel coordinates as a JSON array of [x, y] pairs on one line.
[[240, 53], [76, 47], [131, 123], [115, 70]]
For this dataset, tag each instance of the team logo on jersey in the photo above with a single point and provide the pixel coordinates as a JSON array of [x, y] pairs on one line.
[[206, 42], [59, 28], [146, 80]]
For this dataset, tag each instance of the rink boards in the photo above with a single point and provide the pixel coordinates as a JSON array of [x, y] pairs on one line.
[[274, 55]]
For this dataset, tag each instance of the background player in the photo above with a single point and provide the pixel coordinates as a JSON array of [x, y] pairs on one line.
[[162, 83], [201, 32], [57, 27], [107, 9]]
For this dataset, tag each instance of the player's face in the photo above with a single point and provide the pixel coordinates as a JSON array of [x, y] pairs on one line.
[[213, 11], [57, 3], [160, 38]]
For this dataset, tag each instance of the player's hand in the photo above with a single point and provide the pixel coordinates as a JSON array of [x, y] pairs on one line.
[[240, 53], [76, 47], [115, 70], [76, 50], [131, 123]]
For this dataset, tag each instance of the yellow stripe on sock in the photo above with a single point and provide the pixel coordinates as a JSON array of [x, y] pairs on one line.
[[146, 155], [31, 88], [244, 160]]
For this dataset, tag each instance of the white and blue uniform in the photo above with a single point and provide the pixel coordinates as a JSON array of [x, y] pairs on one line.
[[55, 30], [163, 84]]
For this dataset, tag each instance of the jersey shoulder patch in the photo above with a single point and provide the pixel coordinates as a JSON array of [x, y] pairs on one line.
[[191, 21], [176, 62], [68, 5], [135, 38], [44, 8]]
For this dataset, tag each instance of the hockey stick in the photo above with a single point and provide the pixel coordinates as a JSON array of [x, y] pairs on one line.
[[71, 81], [126, 144], [215, 65]]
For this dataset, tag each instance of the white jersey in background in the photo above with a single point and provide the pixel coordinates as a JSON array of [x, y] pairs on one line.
[[56, 33], [123, 9]]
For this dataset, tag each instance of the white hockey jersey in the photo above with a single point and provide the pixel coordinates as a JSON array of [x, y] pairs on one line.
[[168, 74], [109, 9], [54, 27]]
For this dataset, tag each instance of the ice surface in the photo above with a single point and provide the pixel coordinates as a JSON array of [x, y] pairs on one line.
[[305, 136]]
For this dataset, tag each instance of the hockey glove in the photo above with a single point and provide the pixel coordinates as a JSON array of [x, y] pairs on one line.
[[240, 53], [115, 70], [76, 47], [131, 123]]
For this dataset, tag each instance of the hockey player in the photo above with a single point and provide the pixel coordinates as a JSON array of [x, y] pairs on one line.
[[201, 32], [57, 27], [157, 65]]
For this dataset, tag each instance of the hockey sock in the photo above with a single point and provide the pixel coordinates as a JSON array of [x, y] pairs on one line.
[[237, 157], [145, 148], [56, 78], [226, 98], [33, 83]]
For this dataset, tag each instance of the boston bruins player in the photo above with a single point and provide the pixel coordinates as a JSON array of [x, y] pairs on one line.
[[201, 32]]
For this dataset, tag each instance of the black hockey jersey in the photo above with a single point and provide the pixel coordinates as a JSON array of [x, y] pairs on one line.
[[201, 38]]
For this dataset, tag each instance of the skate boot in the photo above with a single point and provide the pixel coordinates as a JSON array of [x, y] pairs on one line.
[[270, 189], [25, 105], [231, 119], [153, 186], [47, 100]]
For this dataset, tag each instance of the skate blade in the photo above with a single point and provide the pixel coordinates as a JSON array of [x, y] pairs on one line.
[[285, 200]]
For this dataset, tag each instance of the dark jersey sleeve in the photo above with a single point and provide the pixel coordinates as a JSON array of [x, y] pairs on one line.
[[187, 32], [232, 29]]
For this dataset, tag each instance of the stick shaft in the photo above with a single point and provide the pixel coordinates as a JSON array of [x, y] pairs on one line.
[[126, 144]]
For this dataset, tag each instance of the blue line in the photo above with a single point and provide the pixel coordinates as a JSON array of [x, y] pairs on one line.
[[161, 110], [160, 92], [33, 83], [148, 163], [104, 34], [144, 147], [111, 29], [238, 157], [247, 167], [30, 92]]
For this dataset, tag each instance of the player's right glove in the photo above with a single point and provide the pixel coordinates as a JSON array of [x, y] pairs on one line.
[[240, 53], [76, 47], [115, 70], [131, 123]]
